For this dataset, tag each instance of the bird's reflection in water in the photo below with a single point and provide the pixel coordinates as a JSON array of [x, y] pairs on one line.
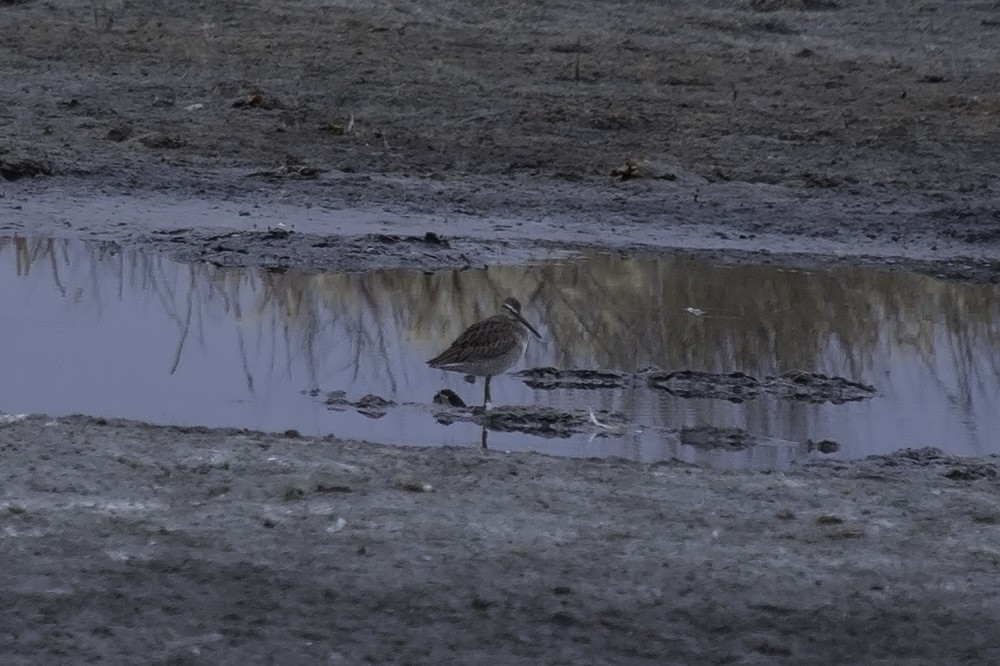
[[448, 398]]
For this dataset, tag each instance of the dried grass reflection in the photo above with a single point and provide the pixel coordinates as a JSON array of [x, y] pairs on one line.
[[605, 311]]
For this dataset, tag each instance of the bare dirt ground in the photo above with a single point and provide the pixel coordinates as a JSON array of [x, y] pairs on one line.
[[861, 131], [862, 126], [125, 543]]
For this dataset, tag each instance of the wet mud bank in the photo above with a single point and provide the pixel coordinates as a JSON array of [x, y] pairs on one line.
[[127, 542], [280, 249], [392, 226], [734, 387]]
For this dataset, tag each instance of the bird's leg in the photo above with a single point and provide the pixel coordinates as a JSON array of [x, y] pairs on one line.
[[486, 395]]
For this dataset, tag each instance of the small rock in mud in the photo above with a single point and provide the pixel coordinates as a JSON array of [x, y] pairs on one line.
[[413, 486], [449, 398], [294, 493], [332, 488], [255, 98], [337, 399], [480, 603], [290, 168], [433, 239], [162, 141], [823, 446], [971, 471], [626, 171], [14, 168], [119, 133], [842, 533], [551, 378], [275, 233], [800, 5], [336, 128]]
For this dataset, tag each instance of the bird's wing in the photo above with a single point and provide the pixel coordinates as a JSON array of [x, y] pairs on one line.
[[482, 340]]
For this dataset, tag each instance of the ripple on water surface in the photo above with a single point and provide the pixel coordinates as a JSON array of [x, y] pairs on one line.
[[91, 328]]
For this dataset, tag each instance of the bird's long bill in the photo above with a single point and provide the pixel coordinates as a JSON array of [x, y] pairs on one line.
[[530, 327]]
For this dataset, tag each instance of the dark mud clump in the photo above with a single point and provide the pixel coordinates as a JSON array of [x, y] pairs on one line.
[[971, 471], [552, 423], [928, 455], [548, 422], [738, 387], [552, 378], [817, 387], [15, 167], [932, 460], [539, 421], [734, 387], [371, 405], [711, 437]]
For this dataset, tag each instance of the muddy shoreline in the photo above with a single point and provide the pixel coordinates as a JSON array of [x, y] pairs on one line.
[[250, 230], [167, 545], [355, 137]]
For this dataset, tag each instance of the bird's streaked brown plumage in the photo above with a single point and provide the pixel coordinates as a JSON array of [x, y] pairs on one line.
[[489, 347]]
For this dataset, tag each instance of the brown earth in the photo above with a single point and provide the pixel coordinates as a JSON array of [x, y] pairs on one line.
[[857, 122], [811, 130]]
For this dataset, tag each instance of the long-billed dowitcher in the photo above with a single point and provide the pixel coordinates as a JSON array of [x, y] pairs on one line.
[[488, 347]]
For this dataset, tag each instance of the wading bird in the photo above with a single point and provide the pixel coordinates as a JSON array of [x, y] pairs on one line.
[[489, 347]]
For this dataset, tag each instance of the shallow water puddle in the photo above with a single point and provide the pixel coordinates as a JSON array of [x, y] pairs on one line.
[[93, 329]]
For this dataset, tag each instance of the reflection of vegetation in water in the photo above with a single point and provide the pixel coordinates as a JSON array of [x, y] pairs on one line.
[[629, 313], [606, 311]]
